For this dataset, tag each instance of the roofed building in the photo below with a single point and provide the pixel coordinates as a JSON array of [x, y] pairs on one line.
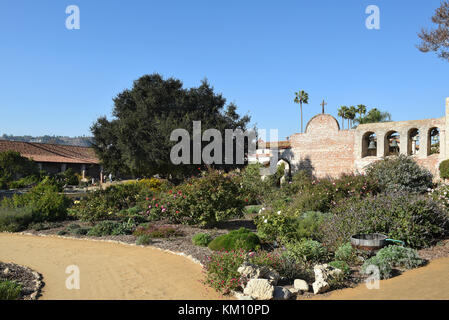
[[55, 158]]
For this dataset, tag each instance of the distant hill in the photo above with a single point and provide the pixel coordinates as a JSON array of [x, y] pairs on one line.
[[69, 141]]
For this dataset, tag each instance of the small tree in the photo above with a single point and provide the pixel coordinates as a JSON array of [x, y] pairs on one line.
[[444, 169]]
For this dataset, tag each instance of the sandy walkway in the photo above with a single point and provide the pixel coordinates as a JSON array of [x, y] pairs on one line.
[[429, 282], [107, 270]]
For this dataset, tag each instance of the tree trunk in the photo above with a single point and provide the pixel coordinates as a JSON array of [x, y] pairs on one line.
[[301, 116]]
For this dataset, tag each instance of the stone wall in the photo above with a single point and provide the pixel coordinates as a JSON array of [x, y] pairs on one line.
[[323, 149], [326, 150]]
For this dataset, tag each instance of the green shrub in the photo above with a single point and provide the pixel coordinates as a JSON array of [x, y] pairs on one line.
[[201, 239], [155, 231], [346, 253], [144, 240], [81, 231], [15, 219], [252, 187], [413, 218], [400, 257], [44, 201], [286, 227], [38, 226], [444, 169], [107, 228], [62, 233], [105, 204], [342, 265], [384, 268], [400, 174], [237, 239], [24, 182], [440, 194], [13, 167], [306, 251], [9, 290], [204, 201]]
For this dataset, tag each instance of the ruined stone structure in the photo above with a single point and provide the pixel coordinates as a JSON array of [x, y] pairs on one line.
[[326, 150]]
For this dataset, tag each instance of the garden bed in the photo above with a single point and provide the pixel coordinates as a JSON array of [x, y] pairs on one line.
[[30, 281]]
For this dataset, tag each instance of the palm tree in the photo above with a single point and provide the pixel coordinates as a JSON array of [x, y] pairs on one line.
[[352, 114], [361, 110], [301, 97], [342, 113]]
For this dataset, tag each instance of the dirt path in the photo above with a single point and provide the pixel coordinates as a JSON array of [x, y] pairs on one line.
[[107, 270], [429, 282]]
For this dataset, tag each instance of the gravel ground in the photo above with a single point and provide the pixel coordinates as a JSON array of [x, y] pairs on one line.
[[23, 276], [179, 244]]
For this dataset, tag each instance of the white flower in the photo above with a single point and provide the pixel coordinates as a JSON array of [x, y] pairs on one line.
[[265, 221], [279, 212], [263, 209]]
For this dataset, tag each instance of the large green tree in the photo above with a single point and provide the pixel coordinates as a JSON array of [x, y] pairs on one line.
[[137, 140]]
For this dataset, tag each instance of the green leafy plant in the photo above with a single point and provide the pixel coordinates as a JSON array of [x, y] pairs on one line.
[[400, 257], [106, 228], [144, 240], [346, 253], [375, 265], [44, 201], [9, 290], [306, 251], [158, 231], [444, 169], [15, 219], [416, 219], [237, 239], [201, 239], [400, 174], [342, 265]]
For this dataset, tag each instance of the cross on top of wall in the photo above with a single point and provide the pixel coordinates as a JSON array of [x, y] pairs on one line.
[[323, 104]]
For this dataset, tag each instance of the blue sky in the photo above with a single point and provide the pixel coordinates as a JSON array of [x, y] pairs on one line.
[[256, 53]]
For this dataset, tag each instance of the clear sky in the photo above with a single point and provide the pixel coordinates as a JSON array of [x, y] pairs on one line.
[[256, 53]]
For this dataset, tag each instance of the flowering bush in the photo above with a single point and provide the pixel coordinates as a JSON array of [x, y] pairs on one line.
[[221, 270], [206, 200], [440, 194]]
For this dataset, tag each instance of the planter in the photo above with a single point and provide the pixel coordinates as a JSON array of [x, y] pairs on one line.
[[369, 242]]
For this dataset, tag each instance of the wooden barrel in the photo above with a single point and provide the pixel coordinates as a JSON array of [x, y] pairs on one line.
[[369, 242]]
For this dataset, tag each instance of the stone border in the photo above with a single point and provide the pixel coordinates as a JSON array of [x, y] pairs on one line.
[[38, 283]]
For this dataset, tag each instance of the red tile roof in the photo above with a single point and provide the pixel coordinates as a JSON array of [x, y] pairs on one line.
[[43, 152], [278, 144]]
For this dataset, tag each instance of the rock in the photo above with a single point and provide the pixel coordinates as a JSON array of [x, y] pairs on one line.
[[320, 286], [260, 289], [6, 271], [281, 293], [249, 271], [301, 285], [270, 274], [323, 271], [241, 296]]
